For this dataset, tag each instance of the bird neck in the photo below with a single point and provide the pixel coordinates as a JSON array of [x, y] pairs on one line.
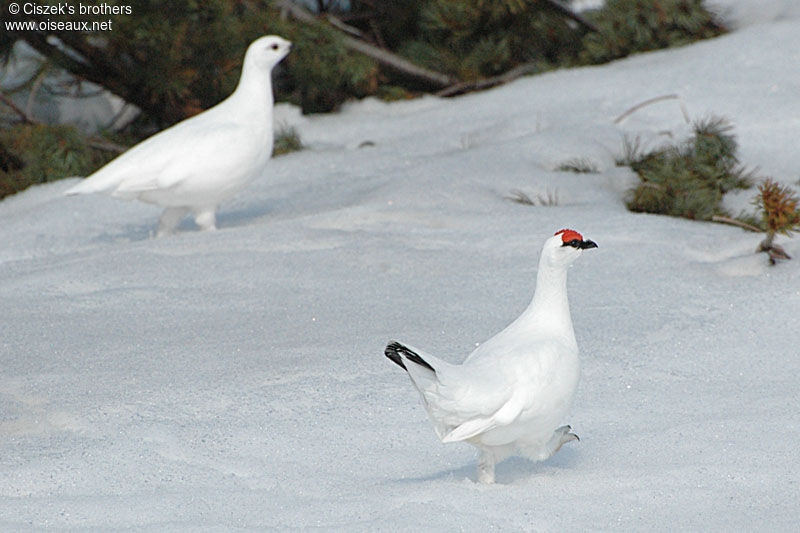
[[253, 95], [548, 312]]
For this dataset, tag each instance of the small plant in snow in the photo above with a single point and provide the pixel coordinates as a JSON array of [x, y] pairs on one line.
[[548, 199], [687, 179], [287, 140], [579, 165], [632, 151], [778, 207]]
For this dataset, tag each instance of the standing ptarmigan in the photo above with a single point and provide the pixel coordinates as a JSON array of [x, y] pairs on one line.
[[196, 164], [510, 395]]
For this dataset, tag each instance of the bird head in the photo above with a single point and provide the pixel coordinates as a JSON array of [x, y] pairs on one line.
[[565, 247], [266, 52]]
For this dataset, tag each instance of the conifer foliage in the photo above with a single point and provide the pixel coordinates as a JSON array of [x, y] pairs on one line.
[[321, 73], [472, 39], [630, 26], [38, 153], [687, 179], [779, 209]]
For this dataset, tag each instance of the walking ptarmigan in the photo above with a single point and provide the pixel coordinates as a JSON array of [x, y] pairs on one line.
[[510, 395], [203, 160]]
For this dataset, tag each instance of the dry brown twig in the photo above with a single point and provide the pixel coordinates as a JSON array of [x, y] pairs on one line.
[[650, 101]]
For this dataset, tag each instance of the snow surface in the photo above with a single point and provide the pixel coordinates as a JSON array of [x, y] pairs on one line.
[[236, 379]]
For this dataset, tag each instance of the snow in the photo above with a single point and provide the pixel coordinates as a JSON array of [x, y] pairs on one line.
[[235, 379]]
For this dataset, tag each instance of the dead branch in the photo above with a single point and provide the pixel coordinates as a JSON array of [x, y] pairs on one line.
[[488, 83], [738, 223], [384, 57], [16, 109], [338, 23], [88, 62], [37, 84], [646, 103], [101, 144]]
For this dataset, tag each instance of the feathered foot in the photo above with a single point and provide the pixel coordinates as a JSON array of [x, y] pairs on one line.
[[170, 219], [486, 467], [206, 218]]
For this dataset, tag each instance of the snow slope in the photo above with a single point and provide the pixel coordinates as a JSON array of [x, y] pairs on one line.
[[236, 379]]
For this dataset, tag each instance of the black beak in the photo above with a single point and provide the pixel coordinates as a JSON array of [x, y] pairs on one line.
[[587, 244]]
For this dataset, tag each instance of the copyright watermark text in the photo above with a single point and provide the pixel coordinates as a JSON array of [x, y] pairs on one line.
[[37, 16]]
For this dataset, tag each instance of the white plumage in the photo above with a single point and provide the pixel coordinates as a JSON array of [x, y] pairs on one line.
[[196, 164], [511, 394]]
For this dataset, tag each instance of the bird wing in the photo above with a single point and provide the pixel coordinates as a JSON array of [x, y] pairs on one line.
[[196, 145], [495, 390], [205, 152], [507, 413], [465, 401]]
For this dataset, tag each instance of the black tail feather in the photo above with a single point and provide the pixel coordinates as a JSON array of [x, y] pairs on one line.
[[393, 351]]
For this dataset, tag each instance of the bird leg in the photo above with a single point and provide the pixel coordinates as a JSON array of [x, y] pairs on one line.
[[560, 436], [486, 467], [170, 219], [205, 218]]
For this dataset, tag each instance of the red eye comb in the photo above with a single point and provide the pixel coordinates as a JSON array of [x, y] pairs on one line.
[[569, 235]]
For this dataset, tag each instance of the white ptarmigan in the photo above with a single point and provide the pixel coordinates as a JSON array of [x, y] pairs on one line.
[[196, 164], [510, 395]]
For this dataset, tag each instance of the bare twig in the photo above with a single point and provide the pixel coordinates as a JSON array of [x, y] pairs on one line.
[[16, 109], [101, 144], [487, 83], [37, 84], [338, 23], [646, 103], [734, 222], [88, 62]]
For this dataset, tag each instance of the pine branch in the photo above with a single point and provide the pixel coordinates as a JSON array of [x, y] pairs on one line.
[[94, 67], [384, 57]]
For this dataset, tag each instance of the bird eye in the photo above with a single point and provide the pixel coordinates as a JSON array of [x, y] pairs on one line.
[[575, 243], [274, 46]]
